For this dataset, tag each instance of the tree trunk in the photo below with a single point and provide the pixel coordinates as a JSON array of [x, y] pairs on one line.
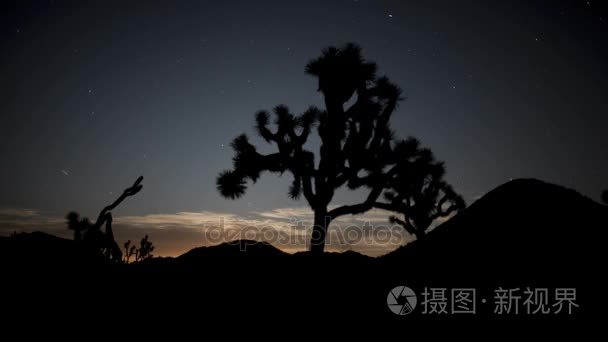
[[319, 231]]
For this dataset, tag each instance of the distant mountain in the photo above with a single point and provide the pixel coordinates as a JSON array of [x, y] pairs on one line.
[[525, 227], [346, 255], [237, 248]]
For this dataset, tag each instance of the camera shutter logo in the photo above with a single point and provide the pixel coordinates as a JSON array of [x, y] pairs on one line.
[[401, 300]]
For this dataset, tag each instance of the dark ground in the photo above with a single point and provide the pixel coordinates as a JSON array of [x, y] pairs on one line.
[[525, 233]]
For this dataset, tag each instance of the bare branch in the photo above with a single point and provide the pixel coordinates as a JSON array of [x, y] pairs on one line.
[[130, 191]]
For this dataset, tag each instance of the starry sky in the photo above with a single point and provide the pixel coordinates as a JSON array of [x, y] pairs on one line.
[[94, 94]]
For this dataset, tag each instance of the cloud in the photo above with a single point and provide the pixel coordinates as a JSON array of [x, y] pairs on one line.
[[180, 219], [19, 212], [176, 233], [306, 214], [299, 213], [22, 218]]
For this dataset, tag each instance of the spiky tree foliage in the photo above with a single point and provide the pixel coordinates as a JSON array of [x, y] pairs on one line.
[[143, 252], [77, 225], [130, 251], [420, 194], [145, 249], [357, 146]]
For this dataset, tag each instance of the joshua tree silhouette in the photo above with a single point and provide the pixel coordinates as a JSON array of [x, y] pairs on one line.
[[421, 196], [77, 225], [130, 250], [145, 249], [357, 145], [93, 237]]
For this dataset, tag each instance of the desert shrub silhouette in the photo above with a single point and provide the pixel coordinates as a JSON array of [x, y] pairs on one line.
[[358, 148], [130, 251], [143, 252]]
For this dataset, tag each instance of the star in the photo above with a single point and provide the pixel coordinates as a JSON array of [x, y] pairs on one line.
[[65, 172], [390, 15]]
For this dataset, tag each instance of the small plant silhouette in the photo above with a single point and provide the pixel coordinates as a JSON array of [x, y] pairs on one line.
[[144, 251], [130, 251]]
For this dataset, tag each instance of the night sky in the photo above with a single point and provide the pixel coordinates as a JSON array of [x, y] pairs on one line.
[[94, 94]]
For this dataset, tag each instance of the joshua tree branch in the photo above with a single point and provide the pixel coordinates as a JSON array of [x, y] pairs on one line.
[[407, 225], [134, 189], [443, 213], [386, 206], [370, 201]]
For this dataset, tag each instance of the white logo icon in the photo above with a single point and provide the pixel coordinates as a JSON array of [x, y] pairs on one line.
[[401, 300]]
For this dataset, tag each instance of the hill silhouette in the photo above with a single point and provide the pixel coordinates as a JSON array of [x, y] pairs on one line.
[[523, 233], [39, 251], [241, 248], [522, 225]]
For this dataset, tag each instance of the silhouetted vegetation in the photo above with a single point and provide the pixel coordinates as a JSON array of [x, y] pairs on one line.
[[421, 195], [358, 148], [605, 196], [103, 242], [144, 251], [77, 225], [523, 232], [130, 251]]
